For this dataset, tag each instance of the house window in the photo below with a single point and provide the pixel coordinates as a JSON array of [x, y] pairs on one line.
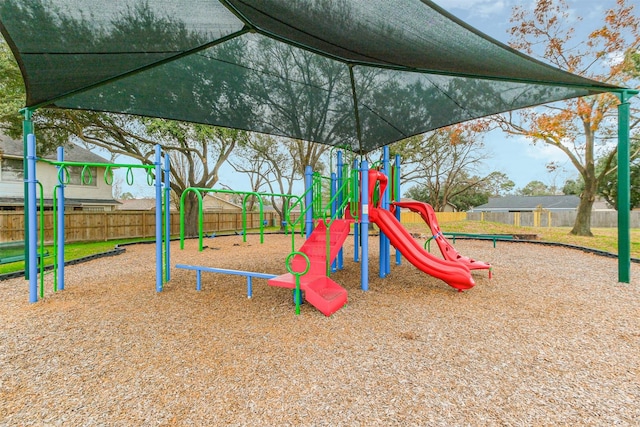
[[12, 170], [76, 176]]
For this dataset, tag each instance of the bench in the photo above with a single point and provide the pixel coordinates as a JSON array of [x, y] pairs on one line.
[[249, 275], [14, 252], [493, 237]]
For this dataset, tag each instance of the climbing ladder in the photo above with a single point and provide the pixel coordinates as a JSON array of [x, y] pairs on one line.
[[319, 290]]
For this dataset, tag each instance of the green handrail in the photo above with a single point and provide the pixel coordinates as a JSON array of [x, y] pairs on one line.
[[86, 176], [55, 237], [41, 254], [247, 194], [320, 211], [297, 296]]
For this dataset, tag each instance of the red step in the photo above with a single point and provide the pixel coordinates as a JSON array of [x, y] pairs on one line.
[[320, 291], [325, 295]]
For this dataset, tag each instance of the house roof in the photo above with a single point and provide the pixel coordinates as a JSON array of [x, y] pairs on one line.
[[14, 148], [137, 204], [529, 203]]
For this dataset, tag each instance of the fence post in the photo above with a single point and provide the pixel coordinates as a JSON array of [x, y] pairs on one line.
[[105, 226]]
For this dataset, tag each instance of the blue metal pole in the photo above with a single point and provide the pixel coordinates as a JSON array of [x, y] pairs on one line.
[[158, 185], [396, 180], [33, 224], [356, 231], [308, 200], [167, 217], [60, 219], [364, 225], [340, 257], [27, 129]]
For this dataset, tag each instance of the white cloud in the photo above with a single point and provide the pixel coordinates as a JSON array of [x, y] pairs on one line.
[[545, 152]]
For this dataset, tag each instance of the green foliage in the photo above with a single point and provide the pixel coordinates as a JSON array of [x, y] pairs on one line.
[[443, 166], [608, 185], [11, 92], [536, 188], [469, 192], [573, 187]]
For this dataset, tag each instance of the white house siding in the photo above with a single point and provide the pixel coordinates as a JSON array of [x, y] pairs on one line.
[[48, 176]]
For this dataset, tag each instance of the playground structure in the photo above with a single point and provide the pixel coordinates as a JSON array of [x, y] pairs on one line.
[[448, 251], [34, 264], [325, 222]]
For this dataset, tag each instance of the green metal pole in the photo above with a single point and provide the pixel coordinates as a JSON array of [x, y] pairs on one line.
[[624, 191], [27, 128]]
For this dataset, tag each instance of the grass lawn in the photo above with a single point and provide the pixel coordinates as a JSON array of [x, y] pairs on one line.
[[605, 239], [71, 251]]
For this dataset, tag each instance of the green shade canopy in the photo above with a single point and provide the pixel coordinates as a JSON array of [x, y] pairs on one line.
[[355, 73]]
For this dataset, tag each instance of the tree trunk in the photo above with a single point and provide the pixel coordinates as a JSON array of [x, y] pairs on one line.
[[582, 226], [191, 215]]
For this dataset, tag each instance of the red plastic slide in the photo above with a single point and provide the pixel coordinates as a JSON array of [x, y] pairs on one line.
[[448, 251], [455, 274]]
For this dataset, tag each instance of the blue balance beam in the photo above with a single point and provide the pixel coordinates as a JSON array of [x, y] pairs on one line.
[[249, 274]]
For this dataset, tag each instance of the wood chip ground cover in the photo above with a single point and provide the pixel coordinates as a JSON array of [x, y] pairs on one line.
[[551, 339]]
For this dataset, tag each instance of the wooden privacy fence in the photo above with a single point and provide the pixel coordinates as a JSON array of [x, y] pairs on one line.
[[599, 219], [100, 226]]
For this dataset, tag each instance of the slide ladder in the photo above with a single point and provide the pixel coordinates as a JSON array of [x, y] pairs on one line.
[[319, 290]]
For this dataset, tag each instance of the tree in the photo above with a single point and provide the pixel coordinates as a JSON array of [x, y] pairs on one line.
[[441, 164], [494, 185], [609, 184], [11, 89], [583, 129], [275, 164], [197, 151], [536, 188], [498, 184], [573, 187]]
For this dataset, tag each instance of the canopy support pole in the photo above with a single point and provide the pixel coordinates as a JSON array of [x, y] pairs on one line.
[[624, 189]]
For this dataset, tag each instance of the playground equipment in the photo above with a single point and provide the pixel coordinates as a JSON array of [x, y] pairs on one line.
[[154, 175], [198, 191], [321, 249], [455, 274], [325, 223], [448, 251]]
